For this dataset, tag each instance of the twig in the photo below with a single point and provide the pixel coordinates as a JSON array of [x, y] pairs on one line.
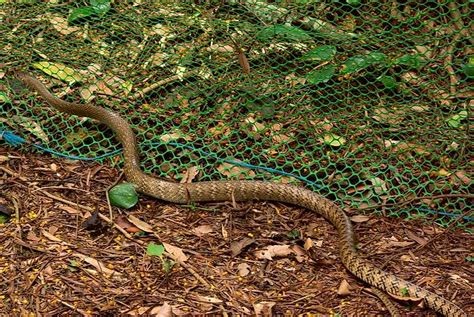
[[141, 93]]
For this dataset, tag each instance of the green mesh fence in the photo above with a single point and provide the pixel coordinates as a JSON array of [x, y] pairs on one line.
[[366, 102]]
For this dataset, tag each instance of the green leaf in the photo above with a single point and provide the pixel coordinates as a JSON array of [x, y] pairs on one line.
[[333, 140], [153, 249], [289, 33], [412, 61], [321, 75], [353, 2], [80, 13], [101, 7], [167, 265], [322, 53], [293, 234], [468, 68], [455, 120], [359, 62], [123, 195], [388, 81], [469, 258]]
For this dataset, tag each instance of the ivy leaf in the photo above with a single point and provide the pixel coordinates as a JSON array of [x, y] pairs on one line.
[[359, 62], [321, 75], [284, 32], [123, 195], [80, 13], [322, 53], [411, 61], [388, 81], [101, 7], [153, 249]]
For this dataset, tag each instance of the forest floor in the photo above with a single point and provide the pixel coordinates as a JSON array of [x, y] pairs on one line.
[[251, 258]]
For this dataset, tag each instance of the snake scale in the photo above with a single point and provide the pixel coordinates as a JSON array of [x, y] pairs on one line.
[[244, 191]]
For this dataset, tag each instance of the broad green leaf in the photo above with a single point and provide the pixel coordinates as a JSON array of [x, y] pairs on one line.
[[333, 140], [153, 249], [455, 120], [123, 195], [388, 81], [468, 68], [321, 75], [412, 61], [353, 2], [289, 33], [59, 71], [359, 62], [469, 258], [101, 7], [323, 53], [80, 13]]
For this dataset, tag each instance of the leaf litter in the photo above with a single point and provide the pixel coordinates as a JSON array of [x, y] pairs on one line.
[[46, 252]]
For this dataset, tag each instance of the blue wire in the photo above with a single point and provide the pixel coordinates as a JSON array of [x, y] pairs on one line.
[[16, 140]]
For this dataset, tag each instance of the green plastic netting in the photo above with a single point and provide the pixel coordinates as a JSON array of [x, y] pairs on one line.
[[366, 102]]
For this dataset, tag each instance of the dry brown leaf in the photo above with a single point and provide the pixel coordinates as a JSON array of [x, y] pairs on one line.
[[140, 224], [300, 253], [97, 264], [344, 288], [208, 299], [236, 247], [231, 171], [359, 218], [49, 236], [31, 235], [308, 244], [415, 237], [190, 174], [244, 269], [274, 250], [463, 177], [177, 252], [126, 225], [164, 310], [263, 309], [405, 298], [61, 25], [399, 243], [202, 230]]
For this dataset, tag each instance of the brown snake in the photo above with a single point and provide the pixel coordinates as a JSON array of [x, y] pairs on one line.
[[245, 191]]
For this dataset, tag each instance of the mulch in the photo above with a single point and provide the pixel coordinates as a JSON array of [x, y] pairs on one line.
[[51, 262]]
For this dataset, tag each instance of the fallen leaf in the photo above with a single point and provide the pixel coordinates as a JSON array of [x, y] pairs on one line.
[[344, 288], [333, 140], [300, 253], [49, 236], [126, 225], [202, 230], [308, 244], [236, 247], [177, 252], [274, 250], [61, 25], [164, 310], [31, 235], [140, 224], [208, 299], [416, 238], [359, 218], [189, 175], [463, 177], [97, 264], [232, 171], [244, 269], [263, 309]]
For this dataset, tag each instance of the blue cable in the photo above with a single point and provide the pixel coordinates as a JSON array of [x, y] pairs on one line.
[[16, 140]]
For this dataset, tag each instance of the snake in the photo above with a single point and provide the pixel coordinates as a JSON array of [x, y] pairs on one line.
[[245, 190]]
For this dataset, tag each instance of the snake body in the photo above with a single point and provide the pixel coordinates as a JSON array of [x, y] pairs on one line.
[[212, 191]]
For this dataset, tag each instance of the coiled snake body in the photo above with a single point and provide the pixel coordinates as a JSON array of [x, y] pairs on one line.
[[245, 191]]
